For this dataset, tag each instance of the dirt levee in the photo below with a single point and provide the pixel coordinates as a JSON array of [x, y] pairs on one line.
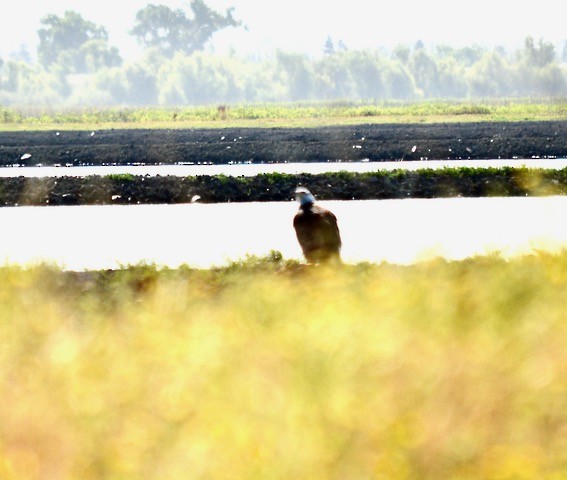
[[235, 145]]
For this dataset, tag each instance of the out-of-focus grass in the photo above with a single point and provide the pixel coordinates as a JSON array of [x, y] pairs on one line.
[[269, 370]]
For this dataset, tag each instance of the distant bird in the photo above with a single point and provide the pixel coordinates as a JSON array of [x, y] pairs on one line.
[[316, 229]]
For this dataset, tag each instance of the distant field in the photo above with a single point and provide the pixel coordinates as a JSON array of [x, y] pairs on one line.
[[287, 115], [267, 369]]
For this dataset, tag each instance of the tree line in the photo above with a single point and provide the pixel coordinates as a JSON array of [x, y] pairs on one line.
[[76, 66]]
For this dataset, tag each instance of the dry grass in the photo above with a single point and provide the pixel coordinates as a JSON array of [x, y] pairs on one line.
[[267, 371]]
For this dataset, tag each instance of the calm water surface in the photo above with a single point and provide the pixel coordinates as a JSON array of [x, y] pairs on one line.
[[255, 169], [397, 231]]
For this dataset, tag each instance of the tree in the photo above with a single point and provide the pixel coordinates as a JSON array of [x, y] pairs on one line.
[[73, 42], [425, 72], [298, 74], [490, 77], [334, 77], [202, 79], [451, 76], [133, 85], [401, 53], [26, 84], [366, 71], [22, 55], [329, 47], [173, 31], [538, 56], [399, 81], [466, 56]]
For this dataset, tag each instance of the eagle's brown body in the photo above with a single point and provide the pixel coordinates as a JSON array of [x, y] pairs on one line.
[[318, 233]]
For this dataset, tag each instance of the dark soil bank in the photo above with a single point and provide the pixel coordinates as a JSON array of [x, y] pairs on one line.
[[346, 143], [128, 189]]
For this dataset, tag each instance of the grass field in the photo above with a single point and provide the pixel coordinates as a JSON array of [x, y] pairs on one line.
[[283, 115], [269, 370]]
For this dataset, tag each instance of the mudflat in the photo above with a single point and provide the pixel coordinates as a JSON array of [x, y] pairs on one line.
[[373, 142]]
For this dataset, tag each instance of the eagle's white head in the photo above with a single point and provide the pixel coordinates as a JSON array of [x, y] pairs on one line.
[[304, 196]]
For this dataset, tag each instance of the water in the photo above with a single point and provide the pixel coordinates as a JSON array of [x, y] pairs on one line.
[[201, 235], [289, 168]]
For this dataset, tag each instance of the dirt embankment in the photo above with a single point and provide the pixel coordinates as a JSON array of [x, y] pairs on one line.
[[222, 146], [346, 143], [138, 189]]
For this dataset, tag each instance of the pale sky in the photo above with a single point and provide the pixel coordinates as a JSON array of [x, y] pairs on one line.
[[303, 25]]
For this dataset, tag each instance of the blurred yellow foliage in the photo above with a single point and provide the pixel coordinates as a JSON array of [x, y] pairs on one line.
[[453, 370]]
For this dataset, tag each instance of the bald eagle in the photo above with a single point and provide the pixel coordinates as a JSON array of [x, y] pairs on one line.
[[316, 229]]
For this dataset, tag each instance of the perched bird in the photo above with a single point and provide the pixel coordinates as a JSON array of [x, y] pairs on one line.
[[316, 229]]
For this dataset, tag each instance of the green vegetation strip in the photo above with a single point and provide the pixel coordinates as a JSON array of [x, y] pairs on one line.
[[426, 183], [269, 370], [289, 114]]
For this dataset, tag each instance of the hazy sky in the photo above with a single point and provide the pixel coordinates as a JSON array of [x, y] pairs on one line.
[[303, 25]]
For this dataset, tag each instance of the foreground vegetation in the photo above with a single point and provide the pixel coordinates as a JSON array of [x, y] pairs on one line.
[[283, 114], [268, 369], [426, 183]]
